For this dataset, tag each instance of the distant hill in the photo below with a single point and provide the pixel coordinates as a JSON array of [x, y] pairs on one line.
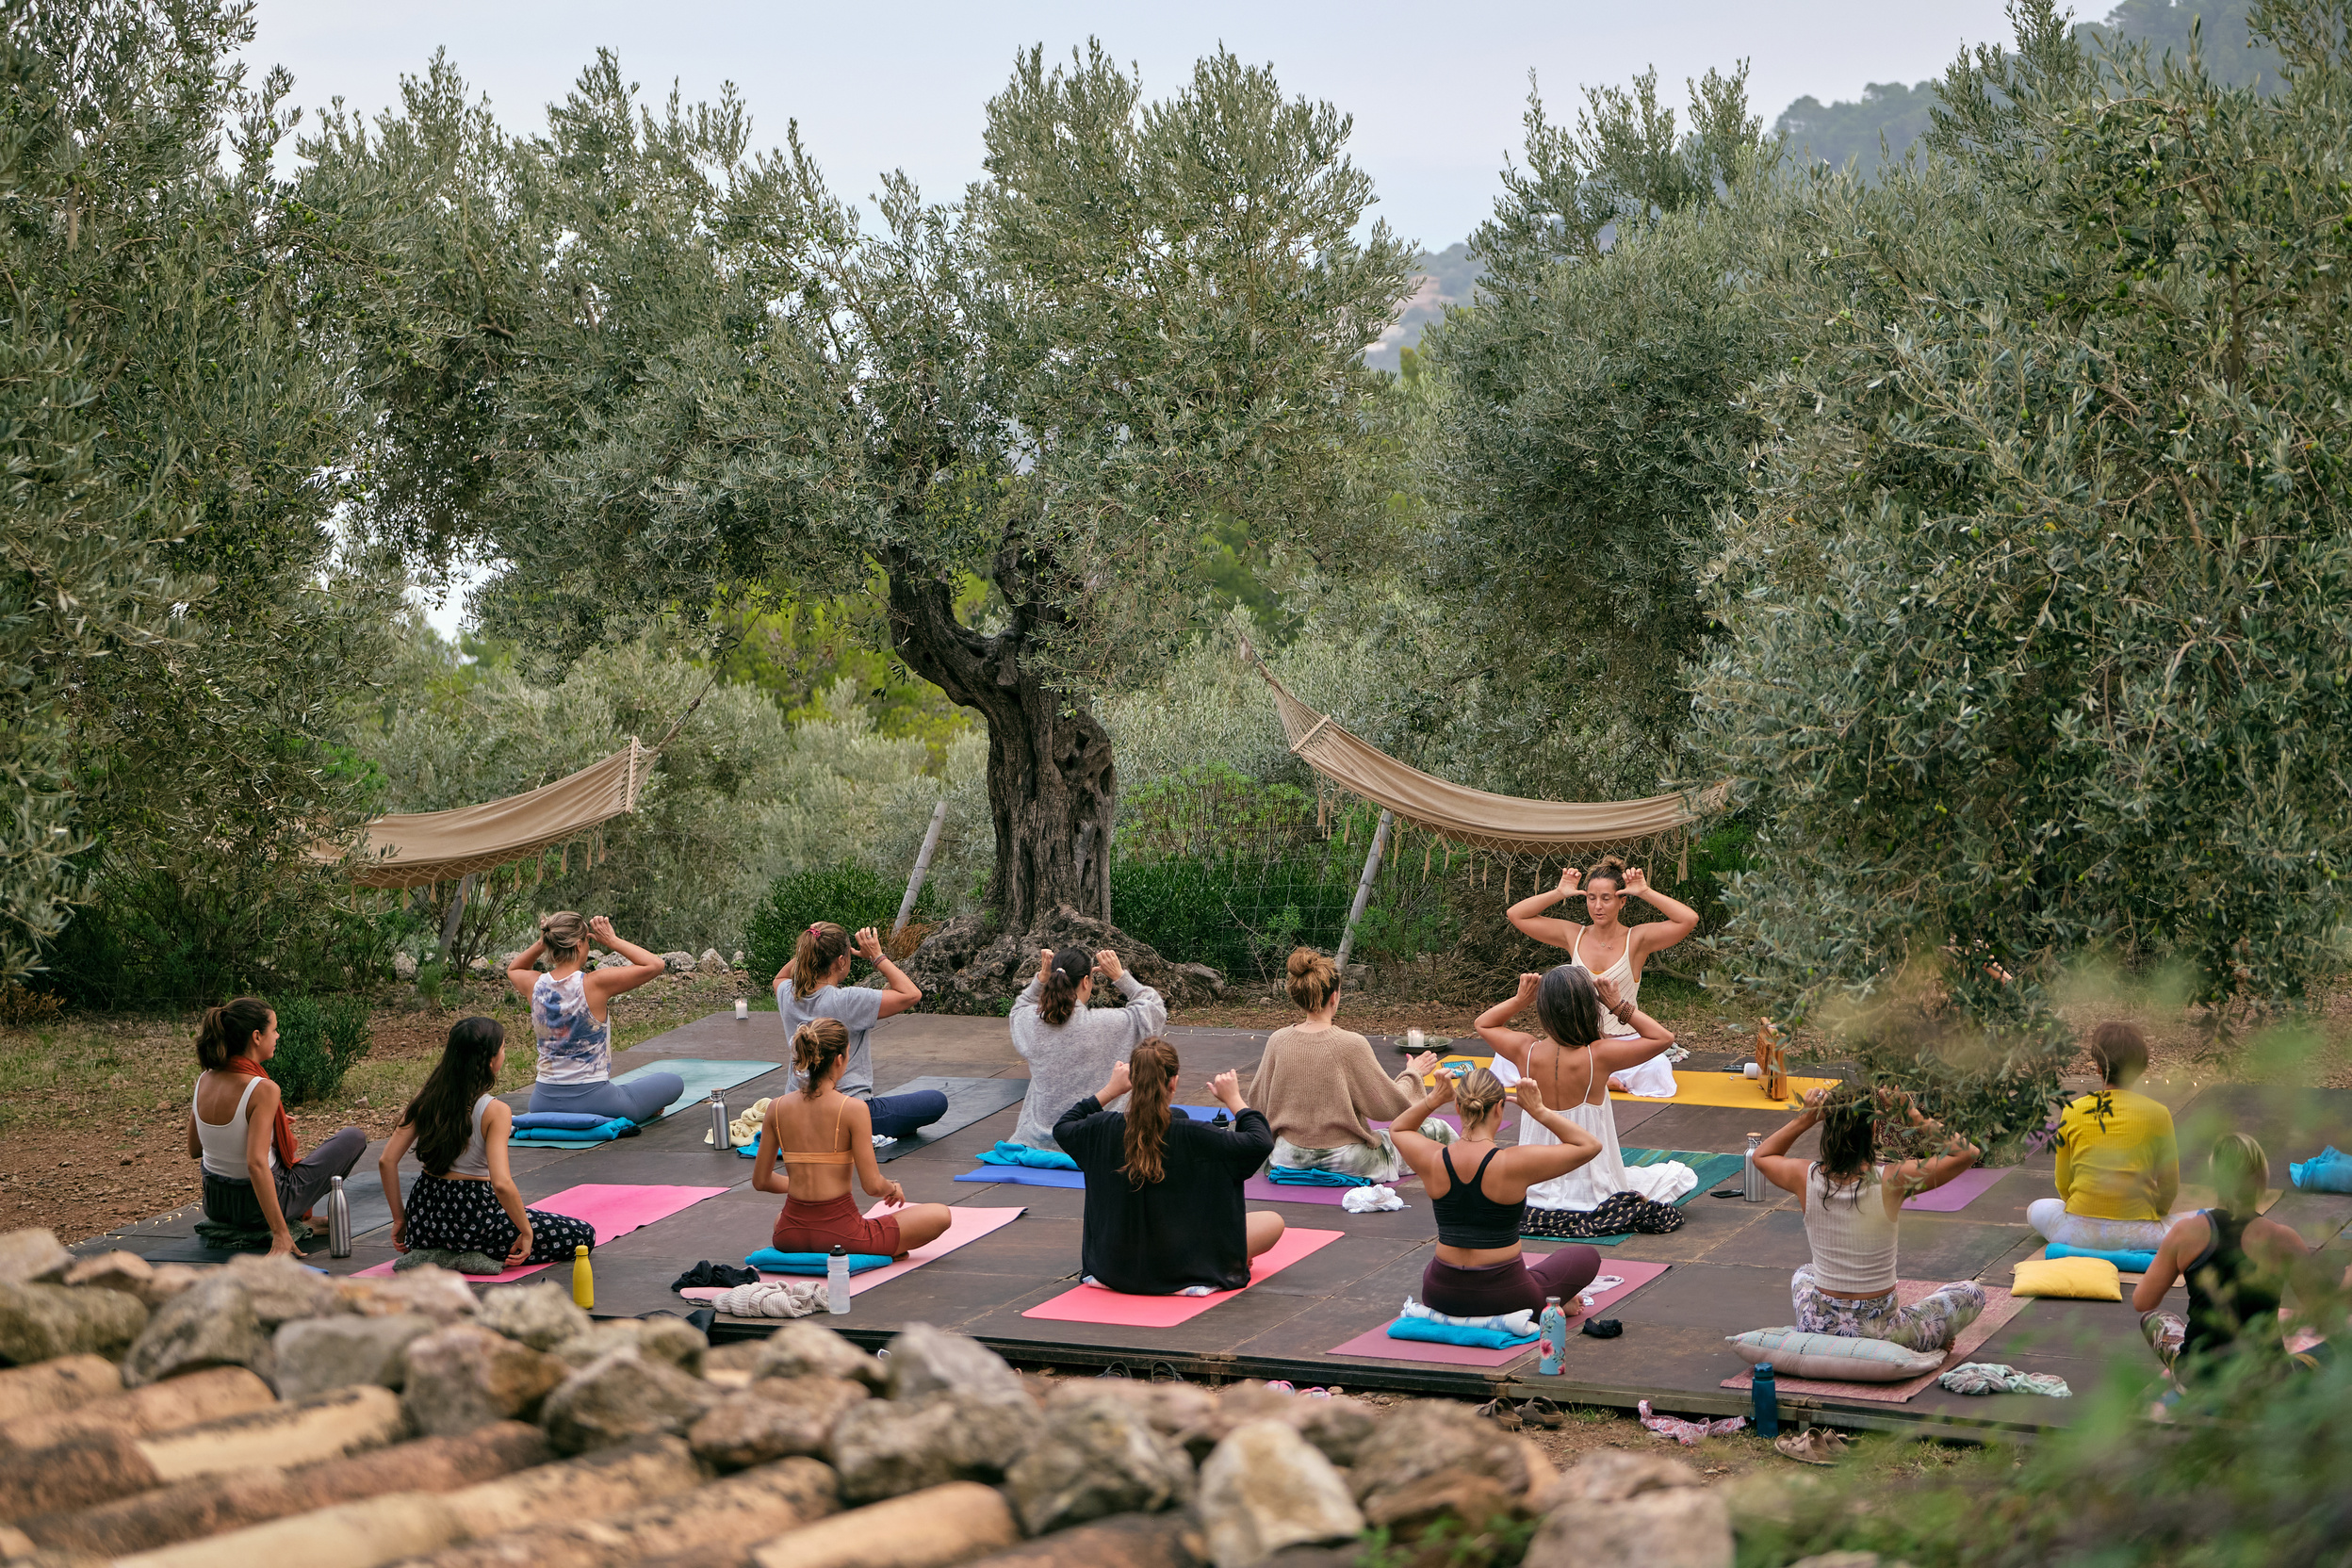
[[1447, 278], [1835, 133]]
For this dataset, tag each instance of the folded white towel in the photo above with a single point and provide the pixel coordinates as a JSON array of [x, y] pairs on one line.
[[1520, 1323], [1374, 1199], [772, 1298]]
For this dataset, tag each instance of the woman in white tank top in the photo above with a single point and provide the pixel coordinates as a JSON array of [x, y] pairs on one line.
[[1610, 950], [256, 1181], [465, 1207]]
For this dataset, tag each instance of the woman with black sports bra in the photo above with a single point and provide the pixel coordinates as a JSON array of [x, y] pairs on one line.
[[821, 1135], [1479, 1269], [2237, 1268]]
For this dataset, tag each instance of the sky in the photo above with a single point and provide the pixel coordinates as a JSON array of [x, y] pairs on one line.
[[1436, 93]]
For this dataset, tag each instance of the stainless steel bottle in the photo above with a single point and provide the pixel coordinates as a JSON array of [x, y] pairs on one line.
[[1751, 1178], [720, 1136], [339, 1221]]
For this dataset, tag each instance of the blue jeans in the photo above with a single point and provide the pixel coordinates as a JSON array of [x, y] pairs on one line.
[[895, 1116], [641, 1099]]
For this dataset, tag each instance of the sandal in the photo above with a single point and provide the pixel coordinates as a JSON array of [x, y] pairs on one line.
[[1502, 1413], [1164, 1372], [1813, 1445], [1116, 1369], [1540, 1412]]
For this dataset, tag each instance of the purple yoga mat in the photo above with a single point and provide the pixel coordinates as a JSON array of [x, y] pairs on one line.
[[1264, 1189], [1960, 1191]]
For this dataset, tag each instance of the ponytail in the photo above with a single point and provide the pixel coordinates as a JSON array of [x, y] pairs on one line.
[[1058, 998], [228, 1031], [816, 1046], [1151, 1082], [820, 947]]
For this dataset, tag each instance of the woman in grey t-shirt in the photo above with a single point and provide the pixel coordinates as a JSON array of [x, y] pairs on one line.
[[822, 957], [1070, 1047]]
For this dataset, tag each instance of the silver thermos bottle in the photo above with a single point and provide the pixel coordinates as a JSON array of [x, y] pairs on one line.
[[721, 1138], [339, 1221], [1751, 1178]]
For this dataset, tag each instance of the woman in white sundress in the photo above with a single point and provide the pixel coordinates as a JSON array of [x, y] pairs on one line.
[[1608, 949], [1572, 1063]]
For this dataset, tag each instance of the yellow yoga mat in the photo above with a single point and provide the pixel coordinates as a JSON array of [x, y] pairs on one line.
[[1730, 1088], [1448, 1062]]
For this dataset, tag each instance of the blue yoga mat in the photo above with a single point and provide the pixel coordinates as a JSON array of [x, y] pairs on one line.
[[1025, 1176], [702, 1076]]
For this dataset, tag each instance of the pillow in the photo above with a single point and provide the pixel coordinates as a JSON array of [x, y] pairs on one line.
[[2068, 1279], [768, 1261], [2129, 1262], [2326, 1172], [1838, 1358], [1435, 1332]]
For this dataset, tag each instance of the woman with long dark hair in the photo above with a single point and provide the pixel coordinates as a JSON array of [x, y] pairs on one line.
[[1853, 1201], [1571, 1063], [571, 1013], [1164, 1214], [1609, 949], [1068, 1044], [465, 1199], [238, 1126], [817, 1136], [1478, 1194]]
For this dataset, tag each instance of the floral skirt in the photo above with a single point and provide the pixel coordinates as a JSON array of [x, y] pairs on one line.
[[1931, 1323], [452, 1215]]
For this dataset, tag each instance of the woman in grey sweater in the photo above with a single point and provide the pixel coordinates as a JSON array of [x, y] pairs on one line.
[[1069, 1047]]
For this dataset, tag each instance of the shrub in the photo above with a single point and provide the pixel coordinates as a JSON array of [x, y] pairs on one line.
[[319, 1039], [20, 1008], [850, 894]]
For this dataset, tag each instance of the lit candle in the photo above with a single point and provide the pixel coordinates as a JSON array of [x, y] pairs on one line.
[[742, 1008]]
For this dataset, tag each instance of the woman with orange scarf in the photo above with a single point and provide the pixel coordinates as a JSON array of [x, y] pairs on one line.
[[237, 1125]]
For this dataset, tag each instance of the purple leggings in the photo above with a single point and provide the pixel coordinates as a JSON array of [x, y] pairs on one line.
[[1508, 1286]]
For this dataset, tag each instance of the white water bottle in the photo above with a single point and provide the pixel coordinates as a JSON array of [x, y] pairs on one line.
[[836, 1280]]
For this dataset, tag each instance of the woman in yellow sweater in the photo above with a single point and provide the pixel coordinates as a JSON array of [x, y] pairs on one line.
[[2118, 1165], [1320, 1088]]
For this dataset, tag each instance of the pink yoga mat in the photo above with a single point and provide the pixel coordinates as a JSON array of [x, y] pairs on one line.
[[1094, 1305], [965, 1225], [1960, 1191], [2000, 1307], [1377, 1344], [614, 1210]]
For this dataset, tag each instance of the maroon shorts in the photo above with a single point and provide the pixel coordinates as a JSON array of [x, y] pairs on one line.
[[805, 1227]]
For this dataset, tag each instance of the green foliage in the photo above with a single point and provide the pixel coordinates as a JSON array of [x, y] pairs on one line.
[[850, 895], [319, 1039]]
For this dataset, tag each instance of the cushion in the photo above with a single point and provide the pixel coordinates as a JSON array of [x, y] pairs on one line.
[[1036, 1159], [2068, 1279], [768, 1261], [2329, 1170], [2129, 1262], [1432, 1332], [1838, 1358]]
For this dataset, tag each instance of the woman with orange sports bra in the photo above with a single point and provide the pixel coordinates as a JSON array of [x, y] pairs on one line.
[[821, 1135]]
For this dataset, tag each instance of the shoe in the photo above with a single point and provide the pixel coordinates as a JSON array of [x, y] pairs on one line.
[[1602, 1327], [1502, 1413], [1281, 1385], [1116, 1369], [1813, 1445], [1164, 1372], [1540, 1412]]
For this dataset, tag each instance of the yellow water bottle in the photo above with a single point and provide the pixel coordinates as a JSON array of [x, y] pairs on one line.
[[583, 1279]]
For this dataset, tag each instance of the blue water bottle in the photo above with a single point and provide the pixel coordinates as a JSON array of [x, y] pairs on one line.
[[1767, 1395], [1555, 1326]]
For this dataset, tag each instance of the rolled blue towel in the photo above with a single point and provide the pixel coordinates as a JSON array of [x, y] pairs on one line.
[[1020, 1153], [1294, 1176], [550, 1121], [1455, 1333], [602, 1132], [2129, 1263], [768, 1261], [2329, 1171]]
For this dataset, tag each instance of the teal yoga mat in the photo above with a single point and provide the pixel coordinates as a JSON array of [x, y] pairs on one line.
[[1713, 1169], [702, 1076]]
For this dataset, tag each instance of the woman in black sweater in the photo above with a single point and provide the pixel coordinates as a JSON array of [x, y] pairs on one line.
[[1164, 1214]]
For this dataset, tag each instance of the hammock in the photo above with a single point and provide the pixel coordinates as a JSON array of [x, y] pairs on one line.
[[424, 847], [1474, 817]]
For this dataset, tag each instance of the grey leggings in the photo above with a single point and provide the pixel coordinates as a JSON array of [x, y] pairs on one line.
[[230, 1202], [641, 1099]]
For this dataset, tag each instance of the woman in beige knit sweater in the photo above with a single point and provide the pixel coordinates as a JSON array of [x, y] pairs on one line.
[[1321, 1088]]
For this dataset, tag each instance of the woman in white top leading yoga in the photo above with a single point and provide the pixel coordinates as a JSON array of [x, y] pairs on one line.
[[1610, 950]]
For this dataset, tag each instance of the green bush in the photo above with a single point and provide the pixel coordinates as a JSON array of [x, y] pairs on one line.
[[849, 894], [319, 1039], [1240, 916]]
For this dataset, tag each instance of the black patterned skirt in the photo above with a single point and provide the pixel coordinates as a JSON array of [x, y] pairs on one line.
[[452, 1215]]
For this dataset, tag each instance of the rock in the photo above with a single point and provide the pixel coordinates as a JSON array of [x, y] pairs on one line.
[[282, 1289], [1336, 1426], [926, 1360], [207, 1396], [1612, 1474], [621, 1395], [1125, 1541], [670, 1339], [32, 1257], [540, 1314], [73, 1473], [318, 1354], [439, 1294], [211, 1323], [1682, 1526], [886, 1448], [318, 1427], [1173, 1410], [799, 1349], [711, 1523], [1204, 976], [934, 1528], [774, 1418], [65, 1383], [38, 1322], [464, 1376], [736, 961], [711, 963], [1093, 1459], [1841, 1560], [964, 968], [124, 1271], [168, 1280], [677, 963], [1265, 1488], [1428, 1459], [403, 967], [479, 966]]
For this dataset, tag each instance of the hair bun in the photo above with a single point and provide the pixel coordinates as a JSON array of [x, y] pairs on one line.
[[1302, 960]]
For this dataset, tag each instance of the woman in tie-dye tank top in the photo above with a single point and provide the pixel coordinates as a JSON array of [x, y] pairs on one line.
[[570, 1012]]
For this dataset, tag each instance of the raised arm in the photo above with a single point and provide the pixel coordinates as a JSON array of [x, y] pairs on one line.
[[1421, 1153], [902, 993], [1540, 1163], [606, 984], [1772, 1155], [1552, 930], [1654, 934], [1147, 1014], [1614, 1053], [1493, 1024], [523, 972]]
